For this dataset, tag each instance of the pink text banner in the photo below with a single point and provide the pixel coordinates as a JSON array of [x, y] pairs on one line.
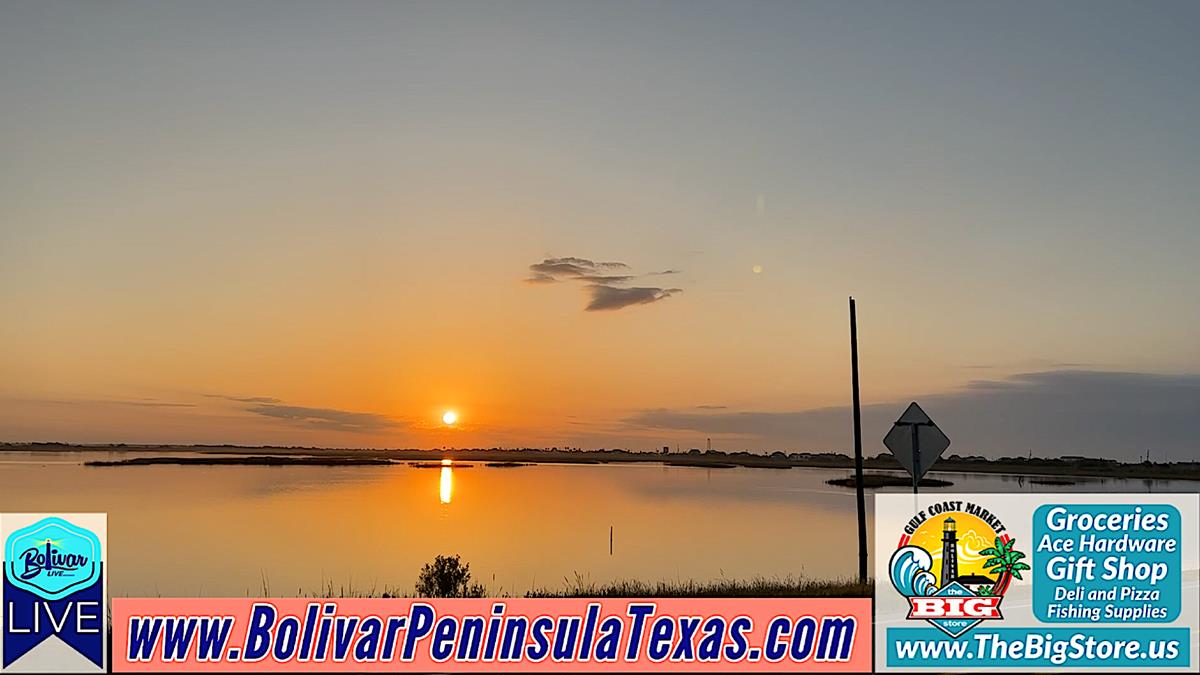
[[492, 635]]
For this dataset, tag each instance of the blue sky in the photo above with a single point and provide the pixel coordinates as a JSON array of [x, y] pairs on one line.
[[335, 206]]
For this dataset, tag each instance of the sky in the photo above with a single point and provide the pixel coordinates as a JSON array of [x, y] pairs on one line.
[[606, 224]]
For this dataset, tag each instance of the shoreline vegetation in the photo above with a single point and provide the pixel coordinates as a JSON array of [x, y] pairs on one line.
[[448, 576], [759, 587], [1058, 467], [878, 480], [260, 460]]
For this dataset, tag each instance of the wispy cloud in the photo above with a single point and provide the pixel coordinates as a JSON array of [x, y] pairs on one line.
[[137, 403], [605, 282], [329, 419], [552, 270], [1031, 364], [246, 399], [612, 297], [325, 418], [156, 404]]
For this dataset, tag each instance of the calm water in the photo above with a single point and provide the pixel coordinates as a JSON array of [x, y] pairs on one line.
[[237, 530]]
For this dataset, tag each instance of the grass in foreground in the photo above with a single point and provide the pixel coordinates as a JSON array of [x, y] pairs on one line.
[[760, 587], [447, 576], [726, 588]]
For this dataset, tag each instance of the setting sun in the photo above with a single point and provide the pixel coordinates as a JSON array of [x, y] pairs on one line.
[[449, 418]]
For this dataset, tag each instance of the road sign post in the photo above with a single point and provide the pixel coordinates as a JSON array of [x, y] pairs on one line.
[[916, 442]]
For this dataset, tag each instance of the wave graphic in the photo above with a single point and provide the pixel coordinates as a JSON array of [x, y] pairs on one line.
[[909, 569]]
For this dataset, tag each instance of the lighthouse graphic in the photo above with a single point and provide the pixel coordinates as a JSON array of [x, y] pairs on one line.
[[955, 594], [949, 552]]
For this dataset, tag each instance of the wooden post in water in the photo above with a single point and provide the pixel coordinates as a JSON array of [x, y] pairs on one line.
[[858, 455], [610, 533]]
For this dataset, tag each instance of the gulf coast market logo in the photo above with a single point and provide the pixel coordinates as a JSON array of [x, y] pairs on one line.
[[53, 592], [954, 563]]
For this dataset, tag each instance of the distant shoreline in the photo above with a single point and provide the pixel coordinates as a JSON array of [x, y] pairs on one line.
[[258, 460], [275, 456]]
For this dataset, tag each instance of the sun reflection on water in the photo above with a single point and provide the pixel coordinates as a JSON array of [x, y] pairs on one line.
[[447, 482]]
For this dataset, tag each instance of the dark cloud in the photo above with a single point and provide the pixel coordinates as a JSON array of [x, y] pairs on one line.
[[325, 418], [712, 407], [606, 298], [1073, 412], [553, 270], [605, 282]]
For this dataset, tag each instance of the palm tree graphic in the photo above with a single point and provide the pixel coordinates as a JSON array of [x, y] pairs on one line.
[[1005, 561]]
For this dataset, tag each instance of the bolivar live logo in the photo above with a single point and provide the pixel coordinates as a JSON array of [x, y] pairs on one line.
[[53, 593], [954, 563]]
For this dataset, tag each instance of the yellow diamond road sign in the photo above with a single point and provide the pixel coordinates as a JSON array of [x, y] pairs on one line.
[[916, 441]]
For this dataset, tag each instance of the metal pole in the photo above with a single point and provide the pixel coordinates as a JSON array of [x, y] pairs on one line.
[[916, 456], [858, 455]]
